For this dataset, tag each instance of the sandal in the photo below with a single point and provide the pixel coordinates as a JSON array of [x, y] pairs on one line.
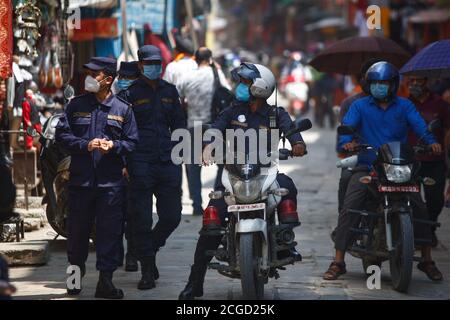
[[335, 270], [430, 269]]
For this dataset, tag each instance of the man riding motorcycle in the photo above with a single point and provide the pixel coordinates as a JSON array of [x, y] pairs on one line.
[[380, 118], [249, 111]]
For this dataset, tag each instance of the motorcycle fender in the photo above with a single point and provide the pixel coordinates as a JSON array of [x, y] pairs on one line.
[[252, 225], [45, 199], [256, 226]]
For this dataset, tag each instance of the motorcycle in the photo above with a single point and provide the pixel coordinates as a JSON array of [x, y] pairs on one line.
[[385, 228], [55, 164], [253, 236]]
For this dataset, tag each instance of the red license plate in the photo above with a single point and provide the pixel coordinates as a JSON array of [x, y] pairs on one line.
[[398, 189]]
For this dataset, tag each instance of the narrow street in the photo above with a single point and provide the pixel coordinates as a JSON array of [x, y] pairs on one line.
[[316, 178]]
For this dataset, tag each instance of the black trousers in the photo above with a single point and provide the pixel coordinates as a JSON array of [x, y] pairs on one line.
[[434, 195], [344, 180], [357, 197], [206, 243]]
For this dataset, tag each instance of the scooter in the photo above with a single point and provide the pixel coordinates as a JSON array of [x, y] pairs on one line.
[[55, 165]]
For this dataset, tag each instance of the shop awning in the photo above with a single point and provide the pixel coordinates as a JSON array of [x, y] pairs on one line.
[[430, 16], [102, 4]]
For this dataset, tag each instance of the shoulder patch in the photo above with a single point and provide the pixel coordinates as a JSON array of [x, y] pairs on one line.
[[121, 99]]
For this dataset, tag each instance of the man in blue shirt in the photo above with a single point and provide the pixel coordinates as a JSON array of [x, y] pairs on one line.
[[380, 118]]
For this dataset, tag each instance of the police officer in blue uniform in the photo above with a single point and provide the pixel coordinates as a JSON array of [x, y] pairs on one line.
[[249, 111], [97, 129], [128, 73], [158, 112]]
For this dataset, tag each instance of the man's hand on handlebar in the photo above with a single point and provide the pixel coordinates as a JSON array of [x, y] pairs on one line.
[[350, 146], [298, 150], [436, 148]]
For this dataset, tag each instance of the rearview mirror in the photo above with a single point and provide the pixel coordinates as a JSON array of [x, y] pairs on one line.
[[299, 126], [434, 125], [69, 92], [345, 130], [32, 132]]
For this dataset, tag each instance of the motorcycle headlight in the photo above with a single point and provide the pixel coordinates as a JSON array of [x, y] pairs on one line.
[[246, 190], [397, 173]]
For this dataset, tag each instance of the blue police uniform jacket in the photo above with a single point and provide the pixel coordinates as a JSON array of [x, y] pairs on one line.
[[158, 113], [240, 116], [377, 126], [84, 119]]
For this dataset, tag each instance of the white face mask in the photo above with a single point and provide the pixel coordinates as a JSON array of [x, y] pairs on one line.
[[91, 84]]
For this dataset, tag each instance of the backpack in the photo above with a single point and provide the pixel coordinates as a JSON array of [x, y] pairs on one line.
[[222, 97]]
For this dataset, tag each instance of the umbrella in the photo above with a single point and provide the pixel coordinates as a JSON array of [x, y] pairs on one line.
[[432, 61], [326, 23], [348, 55]]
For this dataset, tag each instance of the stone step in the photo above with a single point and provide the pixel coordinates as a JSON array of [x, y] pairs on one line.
[[25, 253], [35, 213], [33, 202], [32, 224]]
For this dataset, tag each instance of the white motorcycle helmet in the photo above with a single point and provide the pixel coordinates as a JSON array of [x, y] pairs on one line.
[[263, 79]]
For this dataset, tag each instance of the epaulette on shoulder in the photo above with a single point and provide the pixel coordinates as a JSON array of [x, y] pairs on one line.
[[79, 96], [121, 99]]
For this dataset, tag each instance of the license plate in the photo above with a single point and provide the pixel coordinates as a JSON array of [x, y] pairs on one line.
[[398, 189], [246, 207]]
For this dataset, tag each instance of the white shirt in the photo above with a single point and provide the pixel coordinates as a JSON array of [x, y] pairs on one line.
[[176, 69], [197, 86]]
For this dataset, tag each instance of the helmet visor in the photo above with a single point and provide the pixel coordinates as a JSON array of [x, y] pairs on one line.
[[245, 70]]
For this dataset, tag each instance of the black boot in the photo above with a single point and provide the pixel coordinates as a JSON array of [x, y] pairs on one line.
[[74, 292], [131, 263], [148, 279], [105, 287], [194, 287], [154, 268]]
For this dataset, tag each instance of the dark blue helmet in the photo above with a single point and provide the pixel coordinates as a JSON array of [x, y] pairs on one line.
[[384, 71]]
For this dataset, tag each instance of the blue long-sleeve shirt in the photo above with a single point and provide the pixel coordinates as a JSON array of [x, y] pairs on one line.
[[378, 126]]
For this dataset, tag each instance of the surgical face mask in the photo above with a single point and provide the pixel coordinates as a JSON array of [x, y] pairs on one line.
[[123, 84], [91, 84], [416, 90], [152, 71], [379, 90], [242, 92]]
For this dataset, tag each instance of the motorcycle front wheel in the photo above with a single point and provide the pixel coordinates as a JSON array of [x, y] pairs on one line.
[[250, 254], [401, 260]]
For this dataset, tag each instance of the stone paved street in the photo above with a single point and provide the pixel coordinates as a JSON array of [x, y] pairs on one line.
[[316, 178]]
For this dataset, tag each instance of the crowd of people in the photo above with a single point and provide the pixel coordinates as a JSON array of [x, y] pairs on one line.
[[119, 137]]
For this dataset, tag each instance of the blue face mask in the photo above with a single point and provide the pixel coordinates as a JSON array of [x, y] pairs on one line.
[[123, 84], [379, 91], [152, 71], [242, 92]]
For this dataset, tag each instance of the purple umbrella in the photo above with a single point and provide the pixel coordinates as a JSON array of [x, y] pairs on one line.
[[433, 61]]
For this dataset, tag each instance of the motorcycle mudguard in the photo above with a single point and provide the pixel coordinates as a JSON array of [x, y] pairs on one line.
[[256, 226], [64, 164], [45, 199], [252, 225]]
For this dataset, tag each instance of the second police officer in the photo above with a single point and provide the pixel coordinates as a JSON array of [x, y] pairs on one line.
[[128, 73], [158, 112]]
